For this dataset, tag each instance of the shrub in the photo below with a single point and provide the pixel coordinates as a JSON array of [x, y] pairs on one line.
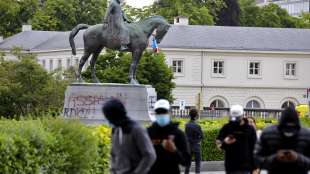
[[51, 146]]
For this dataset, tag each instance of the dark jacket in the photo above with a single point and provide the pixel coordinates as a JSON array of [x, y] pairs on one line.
[[132, 150], [194, 135], [239, 155], [168, 162], [272, 140]]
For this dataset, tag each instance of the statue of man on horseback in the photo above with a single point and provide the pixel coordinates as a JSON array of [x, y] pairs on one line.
[[115, 18], [118, 34]]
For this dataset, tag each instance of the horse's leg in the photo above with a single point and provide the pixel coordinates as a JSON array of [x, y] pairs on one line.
[[93, 66], [82, 63], [136, 56]]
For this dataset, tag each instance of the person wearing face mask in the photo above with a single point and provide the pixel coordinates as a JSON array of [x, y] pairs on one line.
[[169, 141], [194, 135], [132, 150], [237, 138], [284, 148]]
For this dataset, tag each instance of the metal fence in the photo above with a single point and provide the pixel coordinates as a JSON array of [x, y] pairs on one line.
[[222, 112]]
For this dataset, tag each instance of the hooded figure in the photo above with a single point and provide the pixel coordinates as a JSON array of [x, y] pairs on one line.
[[132, 151], [284, 148]]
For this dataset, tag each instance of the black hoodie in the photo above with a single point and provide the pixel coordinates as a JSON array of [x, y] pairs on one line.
[[132, 151], [168, 162], [273, 140]]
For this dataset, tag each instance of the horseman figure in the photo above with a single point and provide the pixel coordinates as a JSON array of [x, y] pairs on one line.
[[115, 19]]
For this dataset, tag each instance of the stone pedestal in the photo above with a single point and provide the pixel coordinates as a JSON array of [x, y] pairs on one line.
[[84, 101]]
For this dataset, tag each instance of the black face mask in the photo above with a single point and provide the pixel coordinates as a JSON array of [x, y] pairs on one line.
[[289, 130], [236, 122]]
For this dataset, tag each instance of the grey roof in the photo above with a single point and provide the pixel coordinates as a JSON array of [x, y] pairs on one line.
[[237, 38], [183, 37]]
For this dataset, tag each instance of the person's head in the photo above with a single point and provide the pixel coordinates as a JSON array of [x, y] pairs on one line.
[[236, 114], [162, 109], [193, 114], [251, 121], [115, 112], [289, 124]]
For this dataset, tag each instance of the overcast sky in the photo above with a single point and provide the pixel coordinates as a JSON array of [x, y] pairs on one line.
[[139, 3]]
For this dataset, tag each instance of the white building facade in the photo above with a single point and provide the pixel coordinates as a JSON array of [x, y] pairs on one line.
[[253, 79]]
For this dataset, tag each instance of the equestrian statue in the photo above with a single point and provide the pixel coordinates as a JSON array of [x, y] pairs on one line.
[[117, 33]]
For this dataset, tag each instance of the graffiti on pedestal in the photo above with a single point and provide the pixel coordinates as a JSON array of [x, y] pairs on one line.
[[88, 106]]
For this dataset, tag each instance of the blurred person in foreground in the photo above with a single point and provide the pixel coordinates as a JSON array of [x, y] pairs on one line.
[[194, 135], [169, 141], [132, 150], [237, 138], [284, 148]]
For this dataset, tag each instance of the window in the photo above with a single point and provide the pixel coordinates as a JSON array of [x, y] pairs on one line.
[[253, 104], [59, 64], [218, 67], [177, 66], [68, 63], [51, 65], [288, 104], [217, 104], [290, 69], [43, 63], [255, 69]]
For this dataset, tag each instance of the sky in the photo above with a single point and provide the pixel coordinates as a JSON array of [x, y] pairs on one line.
[[139, 3]]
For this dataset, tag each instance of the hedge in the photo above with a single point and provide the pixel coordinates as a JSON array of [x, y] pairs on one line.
[[51, 146]]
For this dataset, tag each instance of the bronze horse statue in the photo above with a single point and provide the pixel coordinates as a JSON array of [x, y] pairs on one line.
[[97, 37]]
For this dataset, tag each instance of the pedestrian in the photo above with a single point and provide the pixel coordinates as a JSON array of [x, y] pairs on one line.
[[284, 148], [169, 141], [252, 122], [237, 138], [194, 135], [132, 150]]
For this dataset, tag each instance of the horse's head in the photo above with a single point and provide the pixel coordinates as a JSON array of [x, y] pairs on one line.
[[161, 31]]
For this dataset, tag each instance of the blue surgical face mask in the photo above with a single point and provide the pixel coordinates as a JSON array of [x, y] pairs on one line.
[[162, 119]]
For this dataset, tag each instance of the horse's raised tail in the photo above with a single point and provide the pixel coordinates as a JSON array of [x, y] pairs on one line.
[[73, 33]]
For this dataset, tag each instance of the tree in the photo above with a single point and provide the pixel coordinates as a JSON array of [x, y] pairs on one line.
[[26, 88], [248, 13], [15, 13], [198, 14], [65, 14], [230, 14], [113, 67], [273, 15], [304, 21]]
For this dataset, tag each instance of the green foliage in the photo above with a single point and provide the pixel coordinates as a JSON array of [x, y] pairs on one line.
[[60, 15], [270, 15], [52, 15], [304, 21], [51, 146], [199, 13], [26, 88], [14, 13], [113, 67]]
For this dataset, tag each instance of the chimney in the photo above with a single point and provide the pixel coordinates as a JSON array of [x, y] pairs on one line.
[[181, 20], [1, 39], [27, 28]]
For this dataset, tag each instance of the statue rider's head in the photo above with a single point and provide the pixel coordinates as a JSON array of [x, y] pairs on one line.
[[120, 1]]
